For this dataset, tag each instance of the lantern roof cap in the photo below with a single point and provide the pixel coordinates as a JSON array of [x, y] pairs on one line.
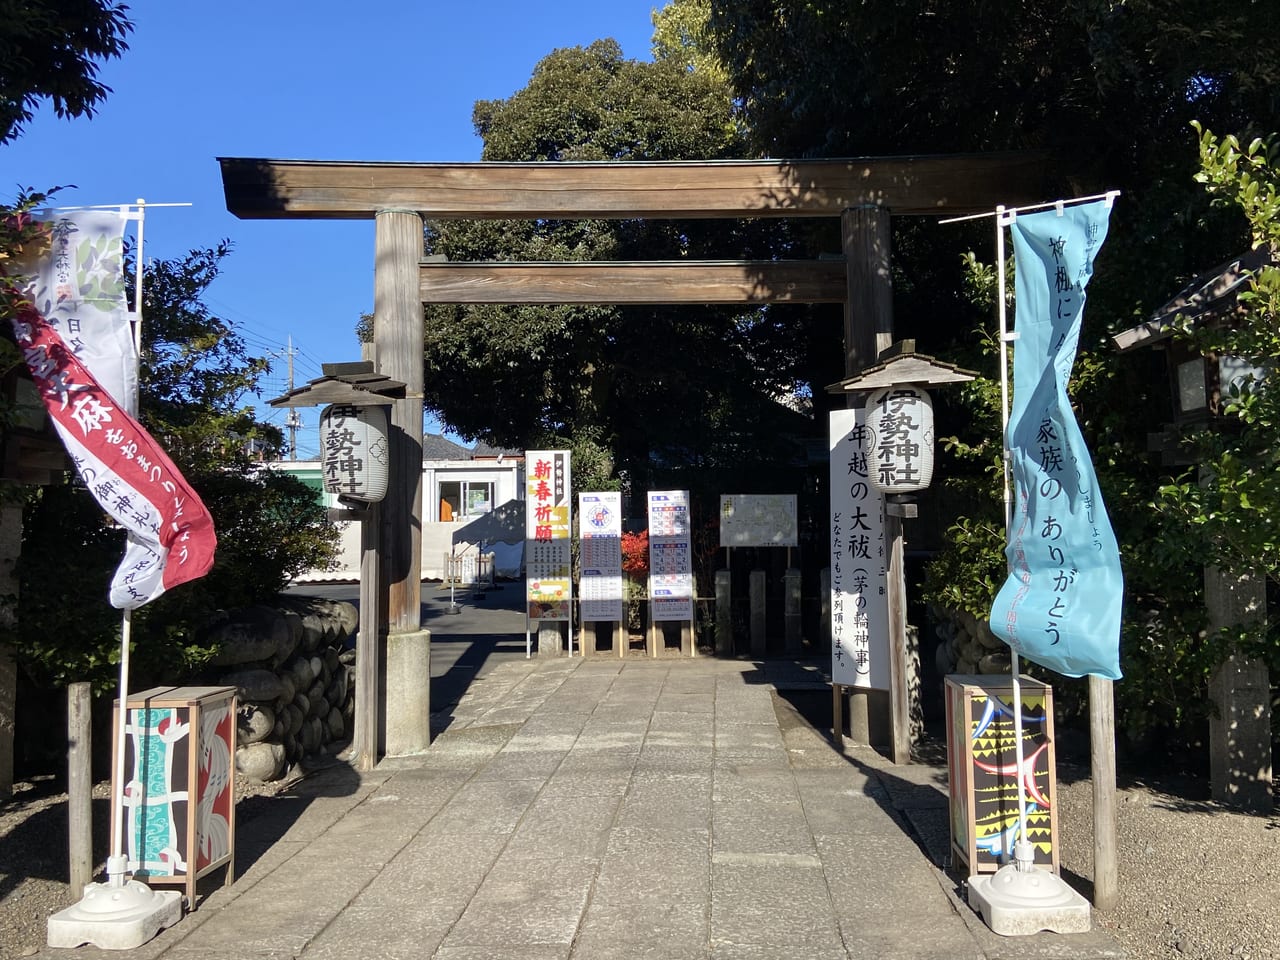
[[1208, 296], [348, 383], [901, 364]]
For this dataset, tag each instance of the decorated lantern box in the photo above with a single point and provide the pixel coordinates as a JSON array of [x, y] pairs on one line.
[[179, 796], [982, 767]]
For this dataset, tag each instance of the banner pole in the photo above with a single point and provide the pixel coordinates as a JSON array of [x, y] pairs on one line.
[[1005, 339], [135, 401], [130, 913], [1023, 853], [137, 291], [1019, 898], [118, 863], [1109, 197]]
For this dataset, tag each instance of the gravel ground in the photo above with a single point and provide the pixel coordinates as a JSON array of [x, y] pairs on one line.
[[1198, 882], [33, 854]]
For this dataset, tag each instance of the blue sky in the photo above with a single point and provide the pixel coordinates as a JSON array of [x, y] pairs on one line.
[[288, 80]]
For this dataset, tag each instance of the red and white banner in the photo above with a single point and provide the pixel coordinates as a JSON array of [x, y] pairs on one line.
[[170, 533]]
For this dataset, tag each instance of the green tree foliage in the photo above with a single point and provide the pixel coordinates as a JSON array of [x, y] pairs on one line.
[[632, 386], [1107, 90], [878, 77], [51, 50], [590, 103], [196, 374], [682, 34], [1228, 509], [195, 370]]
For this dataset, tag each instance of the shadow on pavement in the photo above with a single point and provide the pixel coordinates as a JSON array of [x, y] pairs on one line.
[[471, 630], [262, 821], [470, 656], [915, 797]]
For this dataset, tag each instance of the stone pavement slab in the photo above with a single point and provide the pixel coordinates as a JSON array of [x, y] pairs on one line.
[[592, 810]]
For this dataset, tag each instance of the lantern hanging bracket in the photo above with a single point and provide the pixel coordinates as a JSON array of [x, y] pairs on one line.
[[902, 505], [352, 505]]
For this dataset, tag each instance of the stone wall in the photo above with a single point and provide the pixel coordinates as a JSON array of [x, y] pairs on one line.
[[292, 664], [967, 644]]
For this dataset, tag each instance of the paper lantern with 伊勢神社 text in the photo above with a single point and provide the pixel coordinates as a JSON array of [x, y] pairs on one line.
[[900, 424], [354, 452]]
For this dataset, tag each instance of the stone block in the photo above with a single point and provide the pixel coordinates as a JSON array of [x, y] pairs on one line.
[[262, 761], [792, 638], [408, 704], [756, 586], [254, 722], [259, 686], [249, 635], [724, 614]]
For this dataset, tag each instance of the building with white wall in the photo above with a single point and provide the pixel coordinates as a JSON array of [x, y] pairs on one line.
[[472, 503]]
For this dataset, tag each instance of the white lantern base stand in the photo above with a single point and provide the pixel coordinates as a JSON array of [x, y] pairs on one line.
[[1020, 899], [115, 915]]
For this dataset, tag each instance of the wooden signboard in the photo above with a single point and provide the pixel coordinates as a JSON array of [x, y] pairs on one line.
[[981, 761]]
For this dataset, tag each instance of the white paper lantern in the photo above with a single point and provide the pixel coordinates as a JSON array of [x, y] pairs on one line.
[[354, 452], [900, 422]]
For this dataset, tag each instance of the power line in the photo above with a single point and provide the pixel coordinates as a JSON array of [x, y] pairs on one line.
[[253, 334]]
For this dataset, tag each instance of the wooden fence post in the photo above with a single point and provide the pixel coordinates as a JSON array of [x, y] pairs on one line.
[[80, 785], [1102, 756]]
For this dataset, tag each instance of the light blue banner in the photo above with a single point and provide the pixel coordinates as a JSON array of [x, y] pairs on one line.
[[1060, 606]]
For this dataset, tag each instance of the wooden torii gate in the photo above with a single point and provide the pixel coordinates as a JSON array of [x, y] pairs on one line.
[[862, 192]]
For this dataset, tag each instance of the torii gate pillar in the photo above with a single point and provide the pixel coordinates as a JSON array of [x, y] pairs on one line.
[[868, 330], [397, 339]]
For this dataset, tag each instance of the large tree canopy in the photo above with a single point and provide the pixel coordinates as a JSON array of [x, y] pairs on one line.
[[1109, 90], [50, 50], [834, 78], [644, 384]]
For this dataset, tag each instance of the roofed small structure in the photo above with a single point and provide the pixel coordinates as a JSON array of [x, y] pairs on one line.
[[347, 383], [1208, 295], [901, 364]]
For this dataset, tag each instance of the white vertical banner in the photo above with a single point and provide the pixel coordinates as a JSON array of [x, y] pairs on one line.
[[670, 556], [859, 561], [79, 290], [600, 546], [548, 526]]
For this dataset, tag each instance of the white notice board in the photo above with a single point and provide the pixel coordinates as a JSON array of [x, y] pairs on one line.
[[758, 520], [600, 546], [670, 556], [859, 562]]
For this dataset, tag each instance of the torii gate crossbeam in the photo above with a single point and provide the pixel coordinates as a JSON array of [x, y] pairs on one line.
[[953, 184]]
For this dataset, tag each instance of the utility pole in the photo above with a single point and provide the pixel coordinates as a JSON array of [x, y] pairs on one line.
[[294, 420]]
